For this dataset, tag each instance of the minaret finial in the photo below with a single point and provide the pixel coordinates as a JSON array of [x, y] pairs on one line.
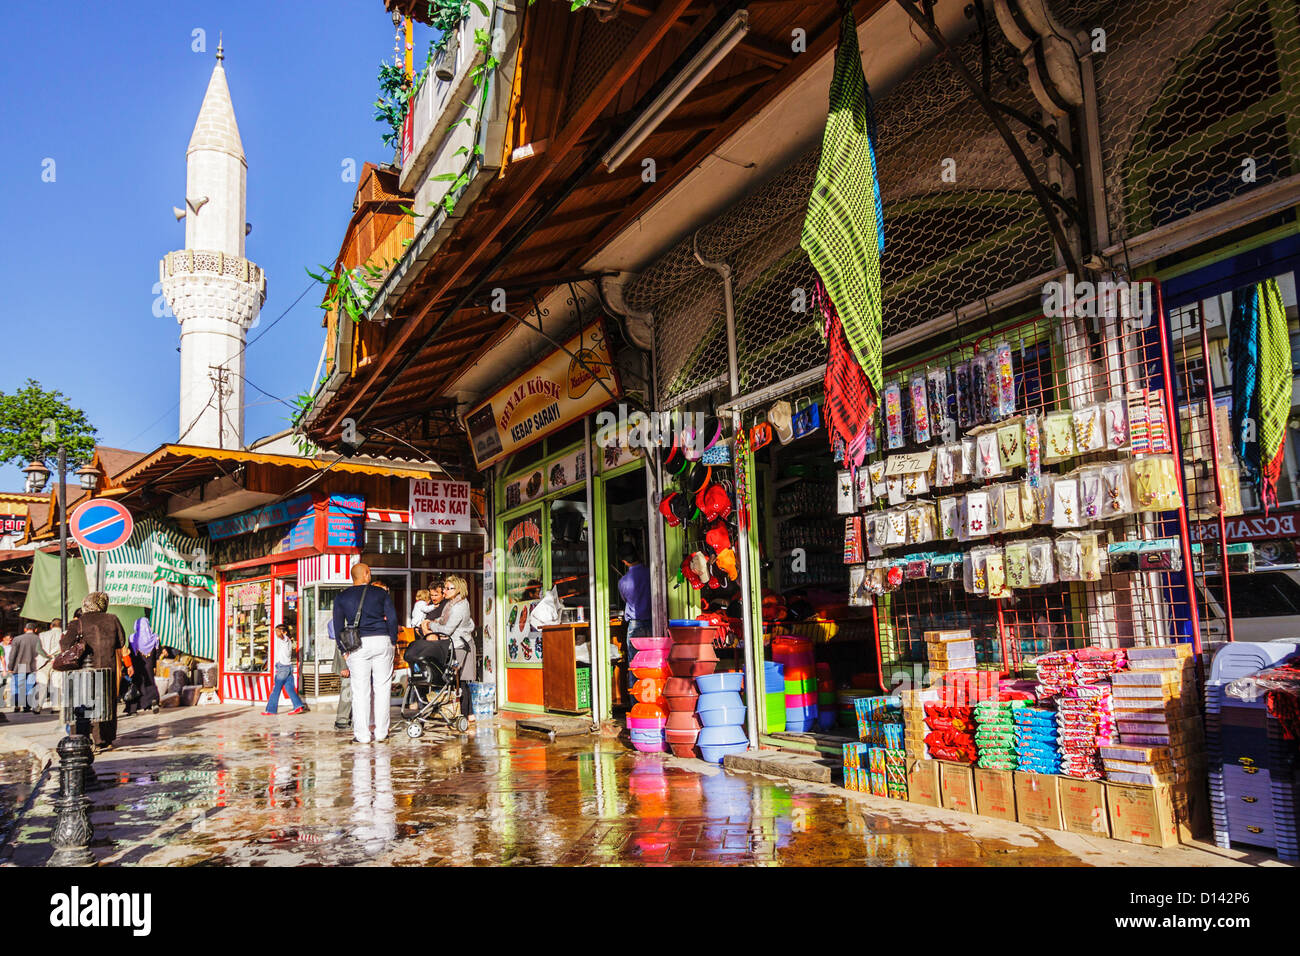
[[220, 54]]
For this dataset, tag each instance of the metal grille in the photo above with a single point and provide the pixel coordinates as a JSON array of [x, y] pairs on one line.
[[949, 239], [599, 45], [1197, 102]]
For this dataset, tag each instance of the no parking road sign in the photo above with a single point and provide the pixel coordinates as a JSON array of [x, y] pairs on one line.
[[101, 524]]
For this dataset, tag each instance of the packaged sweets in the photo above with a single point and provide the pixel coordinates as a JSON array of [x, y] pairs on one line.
[[920, 411], [894, 434]]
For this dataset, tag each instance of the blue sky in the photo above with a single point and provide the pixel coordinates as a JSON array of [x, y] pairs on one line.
[[110, 92]]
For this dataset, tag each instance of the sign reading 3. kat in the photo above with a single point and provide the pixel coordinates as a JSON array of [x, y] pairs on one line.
[[438, 505]]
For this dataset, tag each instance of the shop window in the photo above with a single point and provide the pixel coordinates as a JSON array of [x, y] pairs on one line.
[[569, 565], [523, 559], [248, 627], [1268, 594], [386, 547], [566, 436], [433, 549]]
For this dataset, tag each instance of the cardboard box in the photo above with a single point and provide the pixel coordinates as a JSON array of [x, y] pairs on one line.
[[995, 794], [923, 782], [1166, 651], [942, 637], [1142, 814], [1038, 800], [957, 786], [1083, 806]]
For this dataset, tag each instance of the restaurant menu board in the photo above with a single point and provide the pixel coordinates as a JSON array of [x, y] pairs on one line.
[[564, 386]]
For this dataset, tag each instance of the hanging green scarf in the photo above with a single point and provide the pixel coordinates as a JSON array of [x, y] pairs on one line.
[[843, 232], [1274, 387]]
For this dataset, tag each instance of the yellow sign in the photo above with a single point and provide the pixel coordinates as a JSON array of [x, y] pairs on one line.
[[567, 384]]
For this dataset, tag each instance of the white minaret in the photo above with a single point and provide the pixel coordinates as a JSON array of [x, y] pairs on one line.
[[214, 292]]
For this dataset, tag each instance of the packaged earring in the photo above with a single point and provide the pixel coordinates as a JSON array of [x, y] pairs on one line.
[[1065, 503], [996, 575], [1091, 495], [1090, 556], [1058, 437], [987, 464], [894, 490], [916, 483], [968, 459], [1042, 569], [1116, 494], [1044, 500], [920, 411], [1011, 446], [944, 466], [894, 417], [1116, 425], [977, 514], [1068, 559], [1006, 379], [1155, 483], [1089, 435], [965, 400], [878, 487], [949, 518], [995, 508], [936, 384], [1016, 558], [1012, 520]]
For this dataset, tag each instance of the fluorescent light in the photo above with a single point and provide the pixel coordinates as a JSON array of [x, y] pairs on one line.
[[701, 65]]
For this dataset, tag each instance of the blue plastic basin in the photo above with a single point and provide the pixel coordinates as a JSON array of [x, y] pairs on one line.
[[718, 701], [718, 683], [723, 717]]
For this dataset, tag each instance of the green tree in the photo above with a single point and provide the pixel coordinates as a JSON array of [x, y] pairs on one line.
[[34, 422]]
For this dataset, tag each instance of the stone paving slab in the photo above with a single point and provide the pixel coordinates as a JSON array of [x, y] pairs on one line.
[[783, 763]]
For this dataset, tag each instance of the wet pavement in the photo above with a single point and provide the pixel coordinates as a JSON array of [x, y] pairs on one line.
[[224, 786]]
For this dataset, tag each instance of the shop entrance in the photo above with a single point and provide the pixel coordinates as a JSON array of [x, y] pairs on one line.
[[625, 532]]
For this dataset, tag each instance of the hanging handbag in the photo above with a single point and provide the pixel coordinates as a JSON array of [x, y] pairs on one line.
[[350, 638]]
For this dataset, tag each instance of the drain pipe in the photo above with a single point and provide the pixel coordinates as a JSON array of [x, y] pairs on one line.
[[742, 548]]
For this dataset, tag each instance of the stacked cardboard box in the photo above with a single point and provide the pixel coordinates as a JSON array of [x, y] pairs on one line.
[[914, 729], [950, 650]]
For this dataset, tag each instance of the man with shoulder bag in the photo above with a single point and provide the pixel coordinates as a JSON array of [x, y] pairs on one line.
[[365, 628]]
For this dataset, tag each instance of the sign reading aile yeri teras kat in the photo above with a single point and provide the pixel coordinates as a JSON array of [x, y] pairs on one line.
[[438, 505]]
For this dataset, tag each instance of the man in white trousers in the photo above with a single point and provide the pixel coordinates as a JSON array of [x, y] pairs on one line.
[[371, 666]]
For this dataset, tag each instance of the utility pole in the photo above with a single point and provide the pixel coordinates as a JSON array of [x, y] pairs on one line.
[[220, 376]]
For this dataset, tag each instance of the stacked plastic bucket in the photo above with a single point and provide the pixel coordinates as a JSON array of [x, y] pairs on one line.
[[691, 655], [683, 726], [774, 697], [648, 718], [722, 714], [796, 656]]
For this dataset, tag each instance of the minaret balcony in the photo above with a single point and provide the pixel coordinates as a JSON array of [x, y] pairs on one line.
[[203, 262]]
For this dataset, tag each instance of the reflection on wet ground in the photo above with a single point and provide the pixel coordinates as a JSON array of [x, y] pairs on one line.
[[309, 798]]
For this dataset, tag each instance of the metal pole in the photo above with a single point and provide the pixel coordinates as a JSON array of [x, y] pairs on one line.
[[63, 533], [747, 621], [595, 636]]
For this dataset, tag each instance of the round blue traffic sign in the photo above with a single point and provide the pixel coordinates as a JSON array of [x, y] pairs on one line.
[[101, 524]]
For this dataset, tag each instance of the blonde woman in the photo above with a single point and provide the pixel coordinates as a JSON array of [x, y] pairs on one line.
[[457, 625]]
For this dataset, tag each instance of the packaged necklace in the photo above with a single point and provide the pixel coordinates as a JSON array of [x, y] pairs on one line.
[[977, 514], [1116, 425], [944, 466], [915, 484], [968, 459], [1006, 380], [1116, 494], [1011, 446], [936, 385], [1058, 437], [874, 534], [965, 404], [996, 575], [862, 491], [1068, 559], [878, 487], [1028, 508], [921, 523], [897, 534], [968, 572], [914, 529], [920, 411], [1091, 496], [894, 417], [949, 518], [979, 571], [894, 490], [845, 493], [963, 530], [1155, 483], [1012, 520], [1088, 433], [995, 508], [1016, 558], [1045, 500], [1042, 569], [1065, 503], [987, 463]]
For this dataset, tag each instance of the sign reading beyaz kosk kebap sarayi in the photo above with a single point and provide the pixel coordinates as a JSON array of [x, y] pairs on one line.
[[564, 386], [438, 505]]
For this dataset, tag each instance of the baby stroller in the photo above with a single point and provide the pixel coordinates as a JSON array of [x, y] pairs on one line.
[[433, 688]]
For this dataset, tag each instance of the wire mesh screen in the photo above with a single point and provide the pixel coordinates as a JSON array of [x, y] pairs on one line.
[[1197, 102], [960, 223], [599, 46]]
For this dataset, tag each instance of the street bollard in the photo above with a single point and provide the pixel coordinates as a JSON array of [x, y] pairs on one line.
[[73, 832]]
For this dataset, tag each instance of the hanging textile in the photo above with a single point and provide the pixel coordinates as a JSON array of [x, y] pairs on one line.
[[843, 232], [1274, 387], [1243, 353], [850, 412]]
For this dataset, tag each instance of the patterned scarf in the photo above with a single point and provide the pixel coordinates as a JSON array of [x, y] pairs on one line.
[[1274, 387], [850, 412], [1243, 353], [843, 232]]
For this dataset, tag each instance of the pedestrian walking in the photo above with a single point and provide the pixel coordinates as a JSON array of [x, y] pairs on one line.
[[24, 657], [48, 688], [145, 648], [103, 635], [370, 610], [284, 674]]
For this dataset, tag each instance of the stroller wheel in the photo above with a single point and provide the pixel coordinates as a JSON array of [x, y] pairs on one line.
[[462, 724], [414, 729]]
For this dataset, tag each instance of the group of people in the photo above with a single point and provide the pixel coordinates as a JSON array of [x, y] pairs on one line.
[[26, 665]]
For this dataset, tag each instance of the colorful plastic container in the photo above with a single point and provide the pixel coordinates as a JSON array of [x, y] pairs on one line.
[[649, 659], [800, 700], [716, 742], [718, 701], [774, 712], [649, 690], [723, 717], [715, 682], [682, 720], [695, 634], [646, 723], [652, 643]]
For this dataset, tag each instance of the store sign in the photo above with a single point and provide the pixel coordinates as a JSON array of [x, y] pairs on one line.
[[438, 505], [282, 512], [12, 524], [1250, 527], [175, 571], [563, 387]]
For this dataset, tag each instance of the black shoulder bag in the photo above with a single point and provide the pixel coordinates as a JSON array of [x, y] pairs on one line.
[[350, 639]]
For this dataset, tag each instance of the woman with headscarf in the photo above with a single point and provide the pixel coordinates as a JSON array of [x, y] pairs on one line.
[[106, 641], [144, 654]]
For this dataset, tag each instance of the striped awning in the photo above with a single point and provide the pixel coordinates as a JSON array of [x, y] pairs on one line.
[[392, 517]]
